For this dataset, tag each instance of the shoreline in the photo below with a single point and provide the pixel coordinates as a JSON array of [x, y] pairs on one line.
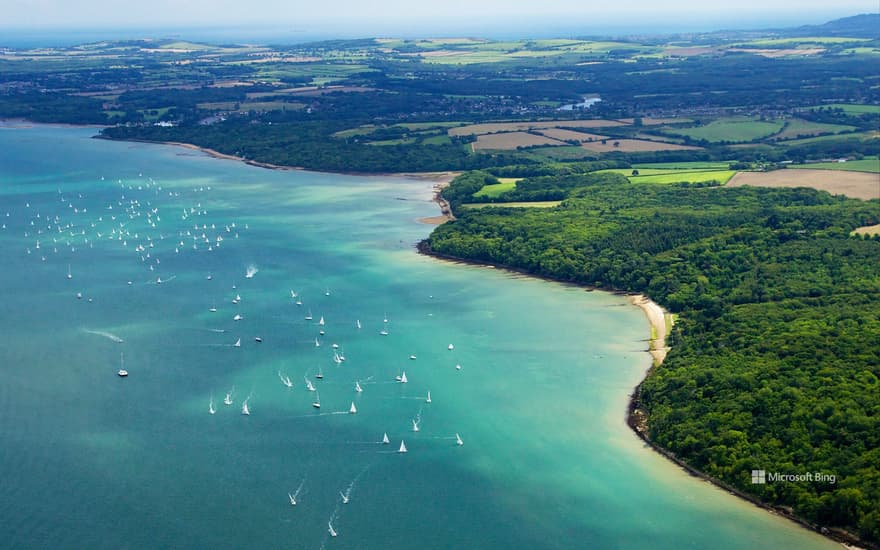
[[636, 418], [441, 179], [656, 315]]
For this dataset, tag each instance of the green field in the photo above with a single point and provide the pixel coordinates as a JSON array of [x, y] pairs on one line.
[[539, 204], [867, 164], [695, 165], [730, 129], [498, 189], [151, 115], [437, 140], [864, 136], [680, 176], [854, 108], [401, 141], [661, 175], [797, 127]]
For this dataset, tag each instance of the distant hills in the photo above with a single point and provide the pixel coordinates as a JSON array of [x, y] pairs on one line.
[[866, 25]]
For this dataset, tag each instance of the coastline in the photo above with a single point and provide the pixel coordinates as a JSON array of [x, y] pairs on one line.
[[636, 418], [656, 315], [440, 179]]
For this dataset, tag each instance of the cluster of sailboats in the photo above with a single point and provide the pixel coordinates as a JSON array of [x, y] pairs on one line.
[[143, 223]]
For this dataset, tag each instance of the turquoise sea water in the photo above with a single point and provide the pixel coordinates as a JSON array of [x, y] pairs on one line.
[[90, 460]]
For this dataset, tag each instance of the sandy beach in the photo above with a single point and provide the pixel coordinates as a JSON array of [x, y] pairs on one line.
[[660, 319]]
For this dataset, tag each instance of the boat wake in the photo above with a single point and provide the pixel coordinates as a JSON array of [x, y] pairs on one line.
[[294, 498], [108, 335]]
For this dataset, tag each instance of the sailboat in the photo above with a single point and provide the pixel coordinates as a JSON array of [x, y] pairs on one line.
[[213, 309], [122, 372], [309, 316], [317, 403], [385, 440], [428, 400], [403, 379], [309, 385], [402, 448], [228, 399], [237, 343], [320, 374], [237, 317], [353, 409], [383, 332], [321, 321], [244, 408], [415, 425], [336, 358], [357, 387], [292, 294], [317, 343], [358, 324], [330, 528], [458, 440], [211, 406], [69, 274], [291, 497]]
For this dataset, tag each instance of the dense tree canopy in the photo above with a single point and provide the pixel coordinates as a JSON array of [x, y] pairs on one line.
[[775, 359]]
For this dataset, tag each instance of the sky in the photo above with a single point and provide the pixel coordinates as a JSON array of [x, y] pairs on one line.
[[375, 17]]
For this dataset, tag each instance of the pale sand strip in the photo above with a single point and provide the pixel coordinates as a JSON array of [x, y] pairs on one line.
[[660, 321]]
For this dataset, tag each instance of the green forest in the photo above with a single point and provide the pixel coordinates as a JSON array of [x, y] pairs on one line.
[[775, 357]]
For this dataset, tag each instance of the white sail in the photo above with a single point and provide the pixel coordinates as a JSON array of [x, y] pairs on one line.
[[317, 343], [357, 387], [385, 440], [309, 385], [237, 343], [292, 499], [353, 409], [321, 321], [245, 410], [317, 403], [403, 379], [345, 497], [415, 426], [402, 448], [428, 400], [458, 440], [330, 529], [228, 399], [358, 323], [211, 406], [122, 372]]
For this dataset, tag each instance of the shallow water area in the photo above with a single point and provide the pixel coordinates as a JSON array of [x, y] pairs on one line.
[[153, 238]]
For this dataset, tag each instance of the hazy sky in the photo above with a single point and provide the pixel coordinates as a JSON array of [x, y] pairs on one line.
[[381, 14]]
